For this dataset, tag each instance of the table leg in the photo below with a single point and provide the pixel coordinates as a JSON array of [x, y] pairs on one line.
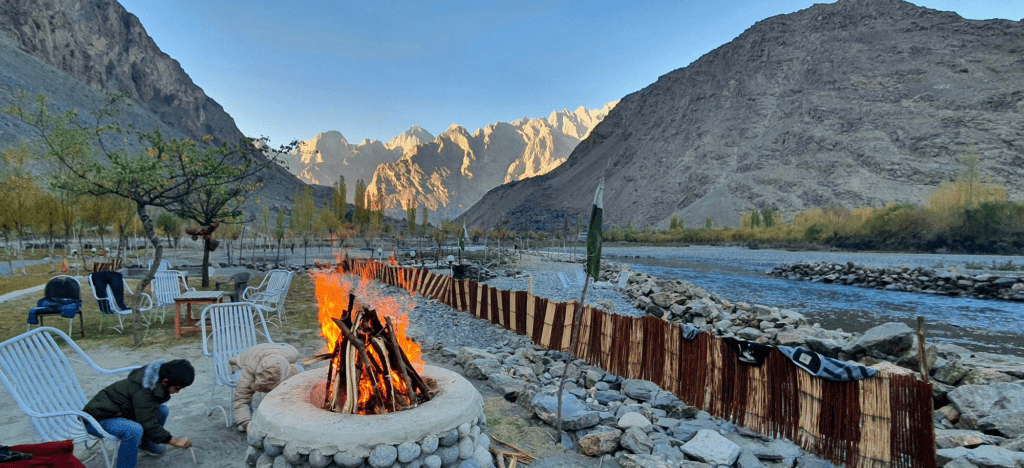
[[177, 320]]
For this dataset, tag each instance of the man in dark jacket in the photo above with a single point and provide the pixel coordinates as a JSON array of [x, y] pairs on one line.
[[133, 409]]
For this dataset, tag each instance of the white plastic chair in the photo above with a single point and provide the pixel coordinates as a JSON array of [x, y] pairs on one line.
[[164, 265], [229, 329], [271, 293], [166, 286], [39, 377], [109, 305]]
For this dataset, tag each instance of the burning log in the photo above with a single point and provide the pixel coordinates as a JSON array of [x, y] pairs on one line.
[[369, 373]]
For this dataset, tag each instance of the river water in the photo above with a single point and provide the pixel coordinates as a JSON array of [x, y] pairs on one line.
[[740, 274]]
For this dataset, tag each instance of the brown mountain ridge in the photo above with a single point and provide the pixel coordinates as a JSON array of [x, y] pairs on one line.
[[856, 103]]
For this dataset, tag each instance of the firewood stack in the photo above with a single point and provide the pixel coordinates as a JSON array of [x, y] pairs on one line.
[[369, 365]]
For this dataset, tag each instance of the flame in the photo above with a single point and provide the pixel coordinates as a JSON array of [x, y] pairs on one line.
[[332, 293]]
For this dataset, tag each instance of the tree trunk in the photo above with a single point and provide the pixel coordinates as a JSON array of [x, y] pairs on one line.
[[206, 260], [158, 253]]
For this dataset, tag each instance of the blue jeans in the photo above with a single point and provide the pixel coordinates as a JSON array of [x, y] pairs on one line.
[[130, 433]]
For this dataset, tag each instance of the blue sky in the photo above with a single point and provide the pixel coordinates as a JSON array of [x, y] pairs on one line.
[[288, 70]]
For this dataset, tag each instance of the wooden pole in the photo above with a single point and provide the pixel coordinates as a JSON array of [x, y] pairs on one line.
[[921, 357]]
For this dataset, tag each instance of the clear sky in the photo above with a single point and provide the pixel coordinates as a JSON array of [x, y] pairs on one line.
[[288, 70]]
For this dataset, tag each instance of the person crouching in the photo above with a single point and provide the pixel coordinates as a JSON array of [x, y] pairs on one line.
[[133, 409], [262, 367]]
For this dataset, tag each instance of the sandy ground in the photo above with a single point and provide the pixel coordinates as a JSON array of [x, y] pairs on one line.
[[218, 446]]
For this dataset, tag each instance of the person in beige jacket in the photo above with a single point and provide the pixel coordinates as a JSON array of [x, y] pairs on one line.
[[262, 367]]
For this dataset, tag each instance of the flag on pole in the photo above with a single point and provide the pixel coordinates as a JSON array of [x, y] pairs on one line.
[[463, 237], [594, 234]]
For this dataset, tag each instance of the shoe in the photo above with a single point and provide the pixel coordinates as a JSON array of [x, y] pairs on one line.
[[149, 448]]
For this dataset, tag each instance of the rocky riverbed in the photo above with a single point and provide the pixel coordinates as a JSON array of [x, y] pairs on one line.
[[902, 278]]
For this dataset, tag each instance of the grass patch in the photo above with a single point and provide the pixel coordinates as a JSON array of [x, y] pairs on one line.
[[302, 328]]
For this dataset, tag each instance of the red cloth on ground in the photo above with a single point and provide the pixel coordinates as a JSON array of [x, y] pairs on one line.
[[59, 454]]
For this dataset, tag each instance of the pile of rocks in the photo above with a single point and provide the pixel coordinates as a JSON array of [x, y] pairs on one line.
[[903, 278], [631, 422]]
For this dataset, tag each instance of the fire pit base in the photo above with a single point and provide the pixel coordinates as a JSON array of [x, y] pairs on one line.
[[289, 430]]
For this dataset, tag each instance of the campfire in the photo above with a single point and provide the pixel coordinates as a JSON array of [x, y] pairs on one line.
[[374, 368]]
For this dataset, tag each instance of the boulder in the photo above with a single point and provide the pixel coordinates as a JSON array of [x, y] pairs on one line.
[[599, 443], [985, 455], [637, 441], [951, 438], [468, 354], [978, 401], [575, 415], [710, 447], [1005, 423], [509, 387], [633, 419], [640, 390], [632, 460], [951, 372], [891, 339], [480, 369]]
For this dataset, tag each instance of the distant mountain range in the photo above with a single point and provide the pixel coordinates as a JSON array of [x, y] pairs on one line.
[[449, 173], [849, 104]]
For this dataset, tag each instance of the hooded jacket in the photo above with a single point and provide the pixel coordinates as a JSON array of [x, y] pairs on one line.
[[137, 398], [262, 368]]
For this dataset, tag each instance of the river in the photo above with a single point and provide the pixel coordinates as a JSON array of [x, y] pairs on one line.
[[740, 274]]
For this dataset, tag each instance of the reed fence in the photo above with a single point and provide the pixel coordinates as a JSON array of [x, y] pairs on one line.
[[883, 421]]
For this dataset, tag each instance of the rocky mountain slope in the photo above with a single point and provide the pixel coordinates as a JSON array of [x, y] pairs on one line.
[[450, 173], [321, 160], [78, 51], [860, 102]]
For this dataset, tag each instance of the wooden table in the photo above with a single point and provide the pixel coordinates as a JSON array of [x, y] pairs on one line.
[[188, 299]]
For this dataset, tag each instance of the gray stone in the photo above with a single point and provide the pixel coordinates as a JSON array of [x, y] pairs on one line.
[[951, 372], [469, 354], [632, 460], [599, 443], [985, 455], [607, 396], [575, 415], [637, 441], [977, 401], [710, 447], [432, 461], [265, 461], [1015, 445], [417, 463], [467, 446], [949, 438], [407, 452], [892, 339], [272, 449], [959, 463], [281, 462], [291, 453], [666, 401], [449, 454], [640, 390], [509, 387], [687, 429], [382, 455], [470, 463], [749, 333], [429, 444], [479, 369], [251, 455], [317, 459], [633, 419], [1005, 423], [747, 459], [449, 438], [483, 440], [254, 440], [827, 347], [347, 460], [482, 456]]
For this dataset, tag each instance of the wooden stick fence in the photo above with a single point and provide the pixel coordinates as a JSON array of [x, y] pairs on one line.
[[884, 421]]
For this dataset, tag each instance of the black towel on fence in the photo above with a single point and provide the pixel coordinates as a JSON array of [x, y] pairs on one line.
[[825, 367], [747, 352], [100, 281]]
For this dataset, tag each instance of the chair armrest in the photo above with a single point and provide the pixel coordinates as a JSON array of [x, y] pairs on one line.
[[249, 290], [146, 302]]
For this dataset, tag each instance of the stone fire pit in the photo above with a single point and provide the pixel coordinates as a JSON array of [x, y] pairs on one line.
[[290, 429]]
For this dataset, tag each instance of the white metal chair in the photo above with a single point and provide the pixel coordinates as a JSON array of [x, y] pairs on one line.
[[271, 293], [107, 282], [39, 377], [167, 285], [229, 329]]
